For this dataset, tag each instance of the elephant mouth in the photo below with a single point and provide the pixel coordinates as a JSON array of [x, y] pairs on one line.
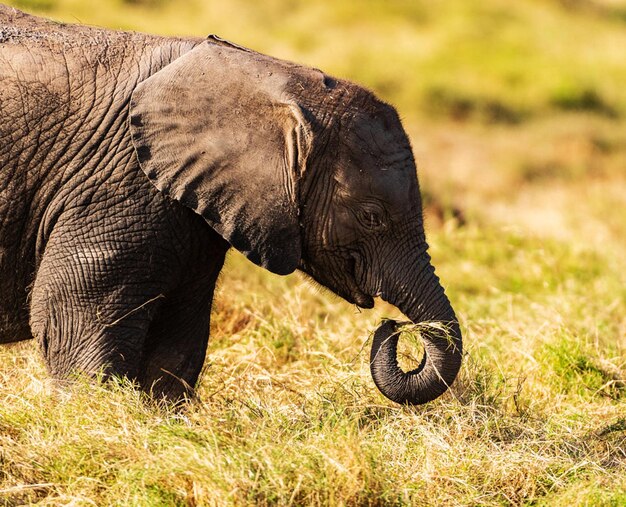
[[359, 297], [342, 281], [362, 300]]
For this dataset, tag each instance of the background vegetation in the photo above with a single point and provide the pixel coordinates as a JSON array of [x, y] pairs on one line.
[[517, 113]]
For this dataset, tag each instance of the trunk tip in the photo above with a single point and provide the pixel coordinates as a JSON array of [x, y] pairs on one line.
[[439, 366]]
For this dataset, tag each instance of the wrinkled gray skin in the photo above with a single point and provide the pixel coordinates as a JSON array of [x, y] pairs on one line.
[[130, 163]]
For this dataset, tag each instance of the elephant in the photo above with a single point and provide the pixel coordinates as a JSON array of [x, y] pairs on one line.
[[131, 163]]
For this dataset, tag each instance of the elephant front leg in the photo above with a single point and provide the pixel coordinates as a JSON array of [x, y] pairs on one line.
[[85, 339], [91, 316], [175, 347]]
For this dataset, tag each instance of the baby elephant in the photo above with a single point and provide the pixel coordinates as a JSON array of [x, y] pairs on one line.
[[130, 164]]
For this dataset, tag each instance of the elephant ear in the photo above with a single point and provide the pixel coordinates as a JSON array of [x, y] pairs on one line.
[[216, 130]]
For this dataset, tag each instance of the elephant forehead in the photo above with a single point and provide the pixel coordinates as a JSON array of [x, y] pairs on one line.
[[397, 186], [389, 175], [378, 144], [375, 157]]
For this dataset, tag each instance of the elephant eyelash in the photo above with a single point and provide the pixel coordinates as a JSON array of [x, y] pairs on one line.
[[371, 219], [374, 220]]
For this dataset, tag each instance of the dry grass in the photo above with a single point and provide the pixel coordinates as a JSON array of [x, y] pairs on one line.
[[287, 413], [522, 158]]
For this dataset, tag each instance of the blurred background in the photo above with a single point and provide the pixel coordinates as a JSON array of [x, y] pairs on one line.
[[516, 110], [517, 115]]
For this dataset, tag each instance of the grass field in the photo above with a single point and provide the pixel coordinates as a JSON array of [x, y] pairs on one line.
[[517, 114]]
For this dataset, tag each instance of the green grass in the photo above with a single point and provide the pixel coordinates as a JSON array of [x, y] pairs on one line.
[[287, 413], [516, 113]]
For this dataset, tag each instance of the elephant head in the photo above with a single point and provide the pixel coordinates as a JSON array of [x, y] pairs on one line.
[[299, 170]]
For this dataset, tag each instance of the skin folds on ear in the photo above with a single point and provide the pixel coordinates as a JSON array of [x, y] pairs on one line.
[[216, 131]]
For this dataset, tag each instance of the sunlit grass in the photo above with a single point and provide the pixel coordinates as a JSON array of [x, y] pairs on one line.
[[516, 112], [286, 411]]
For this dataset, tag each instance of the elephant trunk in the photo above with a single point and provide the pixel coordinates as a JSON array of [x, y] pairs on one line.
[[424, 302]]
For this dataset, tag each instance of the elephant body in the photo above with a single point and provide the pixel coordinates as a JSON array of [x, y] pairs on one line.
[[82, 228], [122, 187]]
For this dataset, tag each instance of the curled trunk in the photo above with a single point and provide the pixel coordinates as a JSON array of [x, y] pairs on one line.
[[442, 347]]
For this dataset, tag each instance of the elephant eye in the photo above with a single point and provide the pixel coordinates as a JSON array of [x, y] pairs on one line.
[[374, 220], [371, 219]]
